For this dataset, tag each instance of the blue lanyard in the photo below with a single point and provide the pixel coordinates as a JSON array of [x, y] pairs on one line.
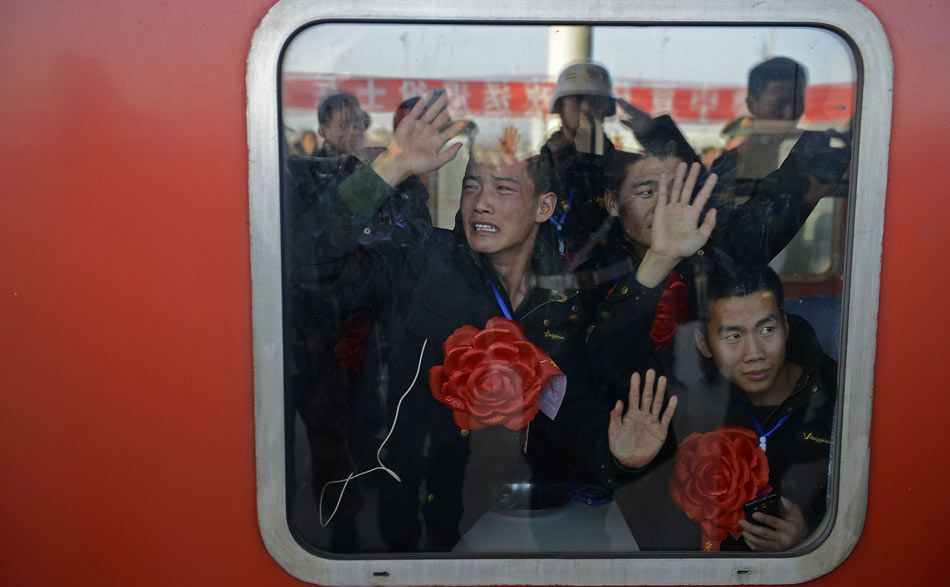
[[758, 427], [501, 301], [559, 224]]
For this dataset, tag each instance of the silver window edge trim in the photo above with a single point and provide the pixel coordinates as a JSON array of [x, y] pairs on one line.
[[874, 54]]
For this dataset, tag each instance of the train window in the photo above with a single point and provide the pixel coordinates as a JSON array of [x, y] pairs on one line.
[[489, 247]]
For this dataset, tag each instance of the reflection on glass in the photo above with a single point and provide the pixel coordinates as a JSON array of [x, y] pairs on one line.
[[492, 293]]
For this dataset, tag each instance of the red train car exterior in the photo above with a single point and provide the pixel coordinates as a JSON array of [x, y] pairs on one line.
[[127, 375]]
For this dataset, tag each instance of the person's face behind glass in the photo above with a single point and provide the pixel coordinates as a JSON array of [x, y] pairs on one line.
[[637, 195], [746, 338], [345, 129], [308, 142], [780, 100], [500, 211], [571, 108]]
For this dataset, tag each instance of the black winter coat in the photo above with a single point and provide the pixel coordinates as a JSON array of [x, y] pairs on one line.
[[798, 451], [429, 284]]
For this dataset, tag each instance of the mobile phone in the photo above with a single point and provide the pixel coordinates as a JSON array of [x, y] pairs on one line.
[[767, 504]]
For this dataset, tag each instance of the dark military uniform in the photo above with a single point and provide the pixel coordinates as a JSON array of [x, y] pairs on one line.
[[431, 284], [578, 182], [747, 235], [798, 451]]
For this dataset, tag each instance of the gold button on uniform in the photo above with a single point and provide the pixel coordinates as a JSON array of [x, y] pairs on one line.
[[814, 388], [431, 497], [547, 322], [624, 289], [464, 432]]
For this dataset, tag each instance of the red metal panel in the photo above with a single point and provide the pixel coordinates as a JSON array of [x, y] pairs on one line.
[[905, 530], [126, 430]]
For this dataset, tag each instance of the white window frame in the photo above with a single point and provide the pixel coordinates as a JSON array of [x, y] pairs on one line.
[[859, 312]]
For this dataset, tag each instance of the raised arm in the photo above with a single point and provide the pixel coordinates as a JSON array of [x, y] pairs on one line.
[[657, 135]]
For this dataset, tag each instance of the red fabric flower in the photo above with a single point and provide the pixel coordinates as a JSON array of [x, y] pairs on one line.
[[491, 377], [714, 475], [672, 311]]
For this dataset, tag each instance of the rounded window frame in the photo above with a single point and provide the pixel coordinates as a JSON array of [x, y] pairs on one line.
[[852, 21]]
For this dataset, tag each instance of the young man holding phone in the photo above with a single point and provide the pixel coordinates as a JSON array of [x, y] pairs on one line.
[[766, 373], [783, 386]]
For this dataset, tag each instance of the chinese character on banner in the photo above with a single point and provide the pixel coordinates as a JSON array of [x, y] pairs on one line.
[[702, 101], [497, 97], [323, 87], [663, 101], [411, 88], [459, 96], [642, 98], [367, 93], [538, 96], [738, 105]]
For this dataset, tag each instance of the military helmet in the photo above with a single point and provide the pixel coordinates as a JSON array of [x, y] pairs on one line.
[[583, 78]]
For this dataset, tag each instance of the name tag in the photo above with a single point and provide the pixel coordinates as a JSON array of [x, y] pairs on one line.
[[551, 396]]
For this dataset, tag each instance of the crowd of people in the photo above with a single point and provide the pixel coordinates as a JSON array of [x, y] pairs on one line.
[[540, 340]]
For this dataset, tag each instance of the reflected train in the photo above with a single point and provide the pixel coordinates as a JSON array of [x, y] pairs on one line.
[[128, 426]]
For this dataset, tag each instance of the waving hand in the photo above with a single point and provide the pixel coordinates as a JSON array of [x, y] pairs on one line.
[[637, 436], [676, 231], [416, 146]]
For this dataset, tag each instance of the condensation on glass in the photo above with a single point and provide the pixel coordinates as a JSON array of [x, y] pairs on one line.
[[364, 478]]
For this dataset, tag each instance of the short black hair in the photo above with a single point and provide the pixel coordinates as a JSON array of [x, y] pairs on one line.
[[540, 172], [741, 280], [616, 167], [335, 102], [734, 281], [777, 69], [538, 169]]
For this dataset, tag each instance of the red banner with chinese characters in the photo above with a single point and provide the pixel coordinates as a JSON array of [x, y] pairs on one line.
[[525, 98]]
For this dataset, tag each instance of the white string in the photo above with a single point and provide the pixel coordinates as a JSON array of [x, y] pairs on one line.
[[381, 467]]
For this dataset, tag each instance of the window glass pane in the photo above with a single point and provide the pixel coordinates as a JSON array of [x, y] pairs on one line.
[[421, 419]]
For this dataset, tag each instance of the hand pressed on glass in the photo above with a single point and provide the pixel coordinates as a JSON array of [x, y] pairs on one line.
[[636, 436], [416, 146], [676, 230]]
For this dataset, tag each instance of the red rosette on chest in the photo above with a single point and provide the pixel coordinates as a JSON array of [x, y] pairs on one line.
[[491, 377], [671, 311], [714, 475]]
